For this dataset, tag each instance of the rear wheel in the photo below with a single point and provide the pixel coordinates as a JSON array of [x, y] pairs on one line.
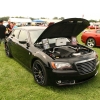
[[90, 42], [7, 50], [39, 72]]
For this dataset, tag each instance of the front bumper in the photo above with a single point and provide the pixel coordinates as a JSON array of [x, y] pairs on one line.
[[71, 77]]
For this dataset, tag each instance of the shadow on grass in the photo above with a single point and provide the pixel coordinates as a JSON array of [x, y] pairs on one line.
[[92, 83], [22, 65], [87, 84]]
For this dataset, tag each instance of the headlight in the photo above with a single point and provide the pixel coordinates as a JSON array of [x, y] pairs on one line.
[[61, 65], [96, 56]]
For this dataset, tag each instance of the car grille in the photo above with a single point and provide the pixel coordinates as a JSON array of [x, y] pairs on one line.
[[85, 67]]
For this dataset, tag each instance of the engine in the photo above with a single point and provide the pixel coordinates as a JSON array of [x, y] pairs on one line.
[[66, 51], [61, 49]]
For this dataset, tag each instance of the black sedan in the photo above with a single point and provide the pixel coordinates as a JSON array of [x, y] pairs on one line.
[[53, 53]]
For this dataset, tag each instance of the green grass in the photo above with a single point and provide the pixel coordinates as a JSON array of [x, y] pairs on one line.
[[17, 83]]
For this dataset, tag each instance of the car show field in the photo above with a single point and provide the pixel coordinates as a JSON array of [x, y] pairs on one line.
[[18, 84]]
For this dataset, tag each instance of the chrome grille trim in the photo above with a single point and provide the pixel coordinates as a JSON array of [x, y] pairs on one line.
[[86, 66]]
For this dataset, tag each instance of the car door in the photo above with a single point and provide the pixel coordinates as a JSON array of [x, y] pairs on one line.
[[97, 37], [23, 49], [14, 42]]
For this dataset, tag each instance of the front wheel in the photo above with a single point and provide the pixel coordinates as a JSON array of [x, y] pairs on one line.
[[90, 42], [40, 73]]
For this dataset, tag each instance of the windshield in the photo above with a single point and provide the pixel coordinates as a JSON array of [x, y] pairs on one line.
[[34, 34]]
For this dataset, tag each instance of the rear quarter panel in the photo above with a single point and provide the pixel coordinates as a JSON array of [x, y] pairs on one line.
[[86, 35]]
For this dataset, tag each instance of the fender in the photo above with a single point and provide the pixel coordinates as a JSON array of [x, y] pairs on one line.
[[43, 57]]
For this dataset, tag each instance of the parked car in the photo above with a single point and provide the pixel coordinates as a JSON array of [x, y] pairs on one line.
[[91, 37], [52, 53], [51, 23], [93, 27]]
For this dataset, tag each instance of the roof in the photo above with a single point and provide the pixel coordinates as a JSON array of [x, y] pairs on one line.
[[32, 27], [20, 20]]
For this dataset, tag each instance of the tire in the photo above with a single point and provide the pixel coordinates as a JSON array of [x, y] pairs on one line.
[[7, 50], [90, 42], [40, 73]]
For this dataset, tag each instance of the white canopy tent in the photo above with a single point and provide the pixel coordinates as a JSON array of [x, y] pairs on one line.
[[21, 20]]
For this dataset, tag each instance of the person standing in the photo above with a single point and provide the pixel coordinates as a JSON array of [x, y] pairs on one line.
[[14, 25], [2, 31], [9, 28]]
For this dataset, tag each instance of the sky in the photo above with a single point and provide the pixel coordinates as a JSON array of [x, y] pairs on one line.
[[51, 8]]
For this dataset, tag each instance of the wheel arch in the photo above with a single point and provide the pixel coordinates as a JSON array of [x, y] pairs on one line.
[[37, 58], [90, 37], [44, 70], [6, 44]]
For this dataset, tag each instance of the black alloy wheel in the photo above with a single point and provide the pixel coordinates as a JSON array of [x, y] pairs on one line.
[[39, 72]]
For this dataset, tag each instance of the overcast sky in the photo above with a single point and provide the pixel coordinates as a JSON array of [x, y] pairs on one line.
[[51, 8]]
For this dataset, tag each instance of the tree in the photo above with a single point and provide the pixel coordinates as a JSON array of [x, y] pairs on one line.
[[43, 18], [55, 18], [4, 18], [21, 17], [32, 18], [16, 17], [92, 20], [99, 20], [61, 18]]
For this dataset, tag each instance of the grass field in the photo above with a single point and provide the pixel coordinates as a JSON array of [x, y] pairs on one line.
[[17, 83]]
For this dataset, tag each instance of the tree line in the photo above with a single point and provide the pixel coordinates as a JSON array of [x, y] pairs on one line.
[[61, 18], [7, 18]]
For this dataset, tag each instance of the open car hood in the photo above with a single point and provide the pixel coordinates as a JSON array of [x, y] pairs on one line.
[[66, 28]]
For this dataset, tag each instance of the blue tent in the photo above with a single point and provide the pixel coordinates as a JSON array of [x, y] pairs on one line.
[[38, 21]]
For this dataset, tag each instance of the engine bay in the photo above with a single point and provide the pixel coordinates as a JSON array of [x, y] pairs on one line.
[[66, 51], [62, 49]]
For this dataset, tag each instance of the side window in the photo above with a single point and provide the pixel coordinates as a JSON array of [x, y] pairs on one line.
[[15, 33], [23, 35], [98, 31]]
